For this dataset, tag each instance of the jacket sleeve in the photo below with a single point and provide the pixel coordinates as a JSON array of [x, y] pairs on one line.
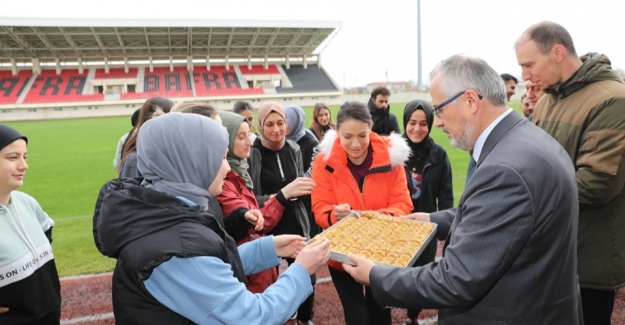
[[600, 166], [234, 207], [315, 152], [230, 199], [322, 196], [444, 219], [299, 163], [236, 224], [43, 218], [204, 290], [445, 195], [272, 211], [484, 245], [399, 201]]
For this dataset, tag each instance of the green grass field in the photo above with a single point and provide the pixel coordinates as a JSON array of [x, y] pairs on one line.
[[70, 160]]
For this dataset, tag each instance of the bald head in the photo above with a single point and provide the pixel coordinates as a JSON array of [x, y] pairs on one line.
[[546, 35]]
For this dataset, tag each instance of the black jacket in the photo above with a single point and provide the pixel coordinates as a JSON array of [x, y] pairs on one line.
[[384, 122], [298, 222], [437, 191], [143, 228], [308, 144]]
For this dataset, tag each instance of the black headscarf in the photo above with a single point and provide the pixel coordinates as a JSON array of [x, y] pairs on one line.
[[421, 149]]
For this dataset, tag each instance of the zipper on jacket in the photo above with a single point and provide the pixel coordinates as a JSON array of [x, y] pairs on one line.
[[550, 112], [280, 167], [362, 193], [427, 164], [381, 169]]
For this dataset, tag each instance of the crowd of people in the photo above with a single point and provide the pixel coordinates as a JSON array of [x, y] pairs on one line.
[[209, 203]]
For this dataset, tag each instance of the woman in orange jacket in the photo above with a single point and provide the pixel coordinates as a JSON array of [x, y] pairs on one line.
[[357, 169]]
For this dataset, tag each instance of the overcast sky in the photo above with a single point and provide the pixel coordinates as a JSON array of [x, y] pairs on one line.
[[380, 36]]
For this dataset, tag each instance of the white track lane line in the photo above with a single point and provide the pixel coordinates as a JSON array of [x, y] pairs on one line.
[[86, 276], [428, 321], [86, 319]]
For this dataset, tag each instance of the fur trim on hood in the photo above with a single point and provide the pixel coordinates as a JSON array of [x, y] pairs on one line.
[[398, 149]]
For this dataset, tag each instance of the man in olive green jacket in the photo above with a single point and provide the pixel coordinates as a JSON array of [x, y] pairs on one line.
[[584, 110]]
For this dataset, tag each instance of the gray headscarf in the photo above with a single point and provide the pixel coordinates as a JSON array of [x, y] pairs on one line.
[[295, 118], [232, 122], [181, 154]]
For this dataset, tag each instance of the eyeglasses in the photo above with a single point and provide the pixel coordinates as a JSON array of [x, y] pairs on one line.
[[437, 109]]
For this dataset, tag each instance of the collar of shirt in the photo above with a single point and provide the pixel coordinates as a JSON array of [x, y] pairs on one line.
[[479, 144]]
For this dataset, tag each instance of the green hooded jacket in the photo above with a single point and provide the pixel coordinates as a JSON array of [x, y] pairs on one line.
[[586, 115]]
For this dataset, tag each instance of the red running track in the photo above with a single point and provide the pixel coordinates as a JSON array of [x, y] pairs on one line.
[[87, 301]]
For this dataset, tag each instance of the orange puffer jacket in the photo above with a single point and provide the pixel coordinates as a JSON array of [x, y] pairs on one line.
[[384, 188]]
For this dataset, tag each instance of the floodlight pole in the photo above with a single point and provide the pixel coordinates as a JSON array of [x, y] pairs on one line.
[[419, 77]]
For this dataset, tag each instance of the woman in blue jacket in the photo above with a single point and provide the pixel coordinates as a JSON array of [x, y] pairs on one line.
[[175, 262]]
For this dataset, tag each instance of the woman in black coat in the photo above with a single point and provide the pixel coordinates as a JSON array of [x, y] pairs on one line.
[[428, 173]]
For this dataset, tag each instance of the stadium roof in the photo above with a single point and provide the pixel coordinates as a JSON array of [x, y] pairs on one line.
[[23, 39]]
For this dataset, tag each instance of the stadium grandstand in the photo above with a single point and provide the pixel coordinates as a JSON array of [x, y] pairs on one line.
[[70, 68]]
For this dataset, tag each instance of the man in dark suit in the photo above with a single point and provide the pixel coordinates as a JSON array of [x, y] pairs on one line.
[[510, 255]]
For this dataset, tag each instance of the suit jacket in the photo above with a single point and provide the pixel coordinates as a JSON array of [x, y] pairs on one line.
[[511, 254]]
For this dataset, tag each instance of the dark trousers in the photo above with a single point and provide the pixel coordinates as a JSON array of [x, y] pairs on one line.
[[428, 255], [597, 306], [358, 308], [305, 310]]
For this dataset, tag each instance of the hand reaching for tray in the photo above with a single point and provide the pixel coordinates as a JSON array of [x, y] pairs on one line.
[[360, 270], [288, 245], [314, 256], [342, 210], [420, 216]]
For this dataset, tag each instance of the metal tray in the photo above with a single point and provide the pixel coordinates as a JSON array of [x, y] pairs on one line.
[[342, 258]]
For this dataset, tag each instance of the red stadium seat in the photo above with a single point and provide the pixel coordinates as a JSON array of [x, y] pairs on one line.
[[65, 87], [219, 81], [259, 69], [116, 73], [12, 86], [163, 82]]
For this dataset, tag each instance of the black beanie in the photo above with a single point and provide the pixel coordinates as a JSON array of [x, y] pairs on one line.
[[8, 135]]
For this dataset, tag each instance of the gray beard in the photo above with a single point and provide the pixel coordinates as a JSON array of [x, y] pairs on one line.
[[464, 142]]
